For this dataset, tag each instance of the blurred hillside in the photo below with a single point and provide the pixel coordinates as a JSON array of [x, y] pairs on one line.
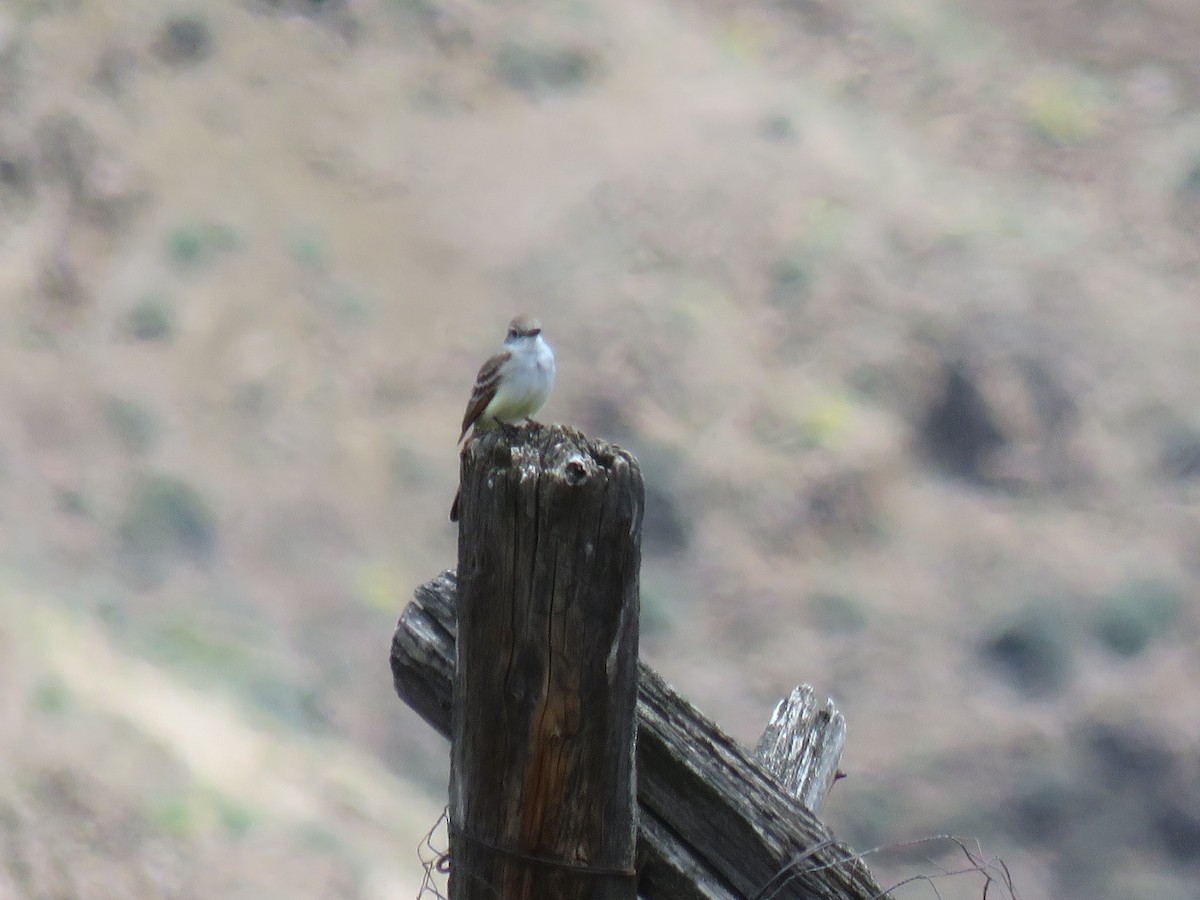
[[895, 302]]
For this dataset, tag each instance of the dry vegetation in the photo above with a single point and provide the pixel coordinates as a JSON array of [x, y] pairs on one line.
[[895, 302]]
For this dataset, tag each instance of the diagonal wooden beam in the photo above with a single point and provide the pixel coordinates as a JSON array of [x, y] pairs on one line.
[[714, 824]]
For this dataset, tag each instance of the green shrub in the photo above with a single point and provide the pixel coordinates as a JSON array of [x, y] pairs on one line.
[[175, 815], [790, 283], [151, 320], [1060, 110], [71, 501], [1136, 614], [1032, 650], [1189, 185], [234, 818], [540, 70], [185, 40], [132, 424], [167, 518], [309, 247], [51, 695], [836, 613], [193, 245]]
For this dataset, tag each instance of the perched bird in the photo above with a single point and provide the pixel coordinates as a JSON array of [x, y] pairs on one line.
[[512, 385]]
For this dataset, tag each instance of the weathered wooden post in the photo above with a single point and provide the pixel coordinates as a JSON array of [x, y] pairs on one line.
[[713, 823], [542, 783]]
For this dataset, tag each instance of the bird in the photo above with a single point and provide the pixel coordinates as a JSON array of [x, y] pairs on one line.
[[512, 385]]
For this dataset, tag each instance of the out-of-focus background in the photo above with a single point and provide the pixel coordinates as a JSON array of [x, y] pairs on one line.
[[896, 301]]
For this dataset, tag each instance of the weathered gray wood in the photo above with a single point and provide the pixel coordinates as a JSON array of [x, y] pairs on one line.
[[802, 745], [542, 798], [713, 824], [423, 651]]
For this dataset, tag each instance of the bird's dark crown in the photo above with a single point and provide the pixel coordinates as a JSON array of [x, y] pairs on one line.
[[523, 326]]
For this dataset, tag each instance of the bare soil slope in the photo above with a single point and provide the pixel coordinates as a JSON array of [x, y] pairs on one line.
[[895, 302]]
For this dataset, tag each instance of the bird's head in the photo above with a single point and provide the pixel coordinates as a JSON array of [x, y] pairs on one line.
[[523, 327]]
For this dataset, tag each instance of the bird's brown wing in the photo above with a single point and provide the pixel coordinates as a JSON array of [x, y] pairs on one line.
[[486, 383]]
